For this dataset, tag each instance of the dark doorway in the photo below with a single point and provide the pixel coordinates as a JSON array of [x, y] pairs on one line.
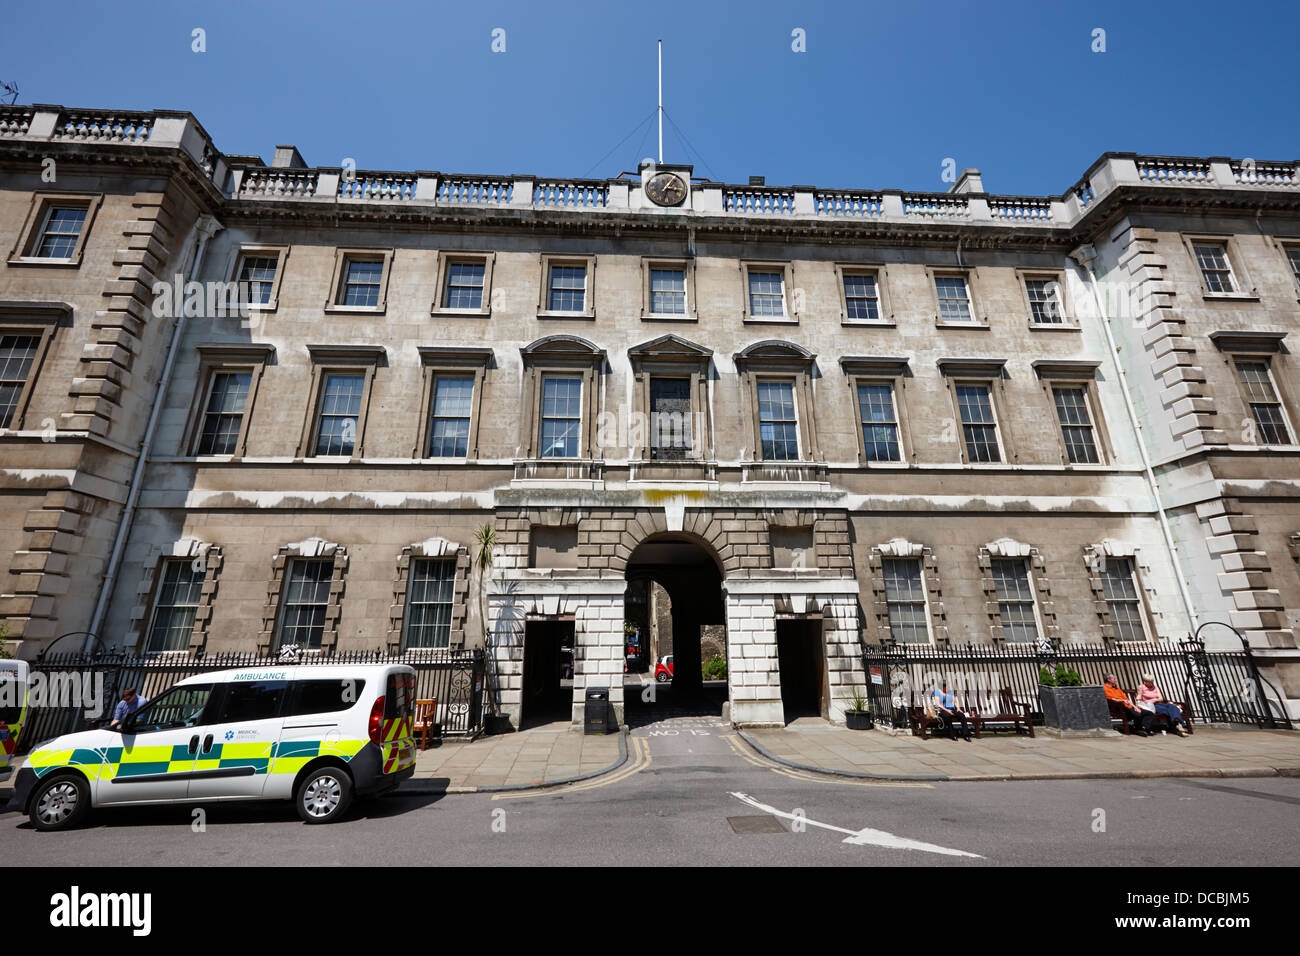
[[548, 674], [803, 671]]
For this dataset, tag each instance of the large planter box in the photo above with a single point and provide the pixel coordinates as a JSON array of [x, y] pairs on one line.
[[857, 720], [1071, 711]]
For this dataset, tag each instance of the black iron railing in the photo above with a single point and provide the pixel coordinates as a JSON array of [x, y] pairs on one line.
[[1220, 686], [70, 691]]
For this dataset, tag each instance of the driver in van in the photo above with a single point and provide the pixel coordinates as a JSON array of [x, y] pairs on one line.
[[128, 705]]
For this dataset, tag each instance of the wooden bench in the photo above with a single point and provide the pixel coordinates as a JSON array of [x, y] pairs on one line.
[[1121, 713], [921, 724], [1002, 709]]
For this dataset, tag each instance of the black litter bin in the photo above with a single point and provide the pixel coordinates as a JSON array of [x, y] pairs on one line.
[[598, 715]]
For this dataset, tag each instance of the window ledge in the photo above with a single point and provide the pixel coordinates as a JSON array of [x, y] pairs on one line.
[[544, 314], [1230, 296], [869, 323], [669, 317], [972, 324], [462, 313], [1055, 327], [812, 472], [41, 261], [355, 309], [770, 319]]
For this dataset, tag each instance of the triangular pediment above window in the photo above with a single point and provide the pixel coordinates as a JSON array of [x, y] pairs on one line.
[[669, 349]]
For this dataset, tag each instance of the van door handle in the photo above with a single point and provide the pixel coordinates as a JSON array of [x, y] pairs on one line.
[[194, 744], [207, 743]]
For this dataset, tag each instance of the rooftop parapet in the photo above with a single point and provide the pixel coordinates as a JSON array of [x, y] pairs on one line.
[[243, 178]]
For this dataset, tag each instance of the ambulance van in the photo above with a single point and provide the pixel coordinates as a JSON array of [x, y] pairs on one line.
[[316, 734], [13, 710]]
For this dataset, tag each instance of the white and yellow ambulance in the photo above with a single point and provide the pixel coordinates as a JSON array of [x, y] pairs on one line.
[[316, 734], [13, 710]]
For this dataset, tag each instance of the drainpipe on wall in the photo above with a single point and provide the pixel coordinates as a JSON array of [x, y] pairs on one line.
[[1086, 256], [206, 228]]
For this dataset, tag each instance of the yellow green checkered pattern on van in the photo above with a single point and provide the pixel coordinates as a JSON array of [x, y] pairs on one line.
[[105, 763]]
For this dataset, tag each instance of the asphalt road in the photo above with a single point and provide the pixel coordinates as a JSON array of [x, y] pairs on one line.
[[693, 794]]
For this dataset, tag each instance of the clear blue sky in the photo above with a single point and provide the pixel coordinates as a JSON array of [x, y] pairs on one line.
[[883, 94]]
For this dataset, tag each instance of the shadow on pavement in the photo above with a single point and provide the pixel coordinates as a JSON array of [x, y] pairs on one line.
[[667, 701], [270, 811]]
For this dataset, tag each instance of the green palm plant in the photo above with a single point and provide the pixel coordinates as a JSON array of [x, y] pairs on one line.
[[485, 543]]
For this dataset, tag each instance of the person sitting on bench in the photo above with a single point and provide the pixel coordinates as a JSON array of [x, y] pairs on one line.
[[1141, 719], [1150, 694], [946, 704]]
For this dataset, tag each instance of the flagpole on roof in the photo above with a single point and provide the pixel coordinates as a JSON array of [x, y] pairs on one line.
[[661, 101]]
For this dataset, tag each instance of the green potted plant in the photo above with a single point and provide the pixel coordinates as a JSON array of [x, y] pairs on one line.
[[857, 712], [715, 668], [1071, 707]]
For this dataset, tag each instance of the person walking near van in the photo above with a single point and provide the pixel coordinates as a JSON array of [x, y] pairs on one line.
[[128, 705]]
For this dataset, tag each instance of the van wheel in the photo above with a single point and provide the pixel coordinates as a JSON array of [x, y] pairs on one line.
[[60, 804], [324, 795]]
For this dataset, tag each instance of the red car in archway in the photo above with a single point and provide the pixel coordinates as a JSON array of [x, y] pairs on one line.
[[664, 669]]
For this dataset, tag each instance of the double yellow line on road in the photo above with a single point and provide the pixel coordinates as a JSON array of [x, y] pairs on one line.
[[638, 752]]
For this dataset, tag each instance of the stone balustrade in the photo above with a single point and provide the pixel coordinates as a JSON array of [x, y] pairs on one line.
[[395, 187], [474, 190], [1016, 209], [99, 126], [936, 206], [1250, 173], [757, 201], [15, 120], [269, 182], [571, 193], [238, 178], [1183, 172], [850, 203]]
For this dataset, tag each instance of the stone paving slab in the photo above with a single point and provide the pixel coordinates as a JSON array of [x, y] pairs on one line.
[[1210, 752], [541, 756]]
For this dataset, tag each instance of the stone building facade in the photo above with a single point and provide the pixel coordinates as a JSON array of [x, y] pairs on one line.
[[817, 417]]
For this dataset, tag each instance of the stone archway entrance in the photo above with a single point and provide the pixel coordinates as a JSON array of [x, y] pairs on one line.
[[675, 606]]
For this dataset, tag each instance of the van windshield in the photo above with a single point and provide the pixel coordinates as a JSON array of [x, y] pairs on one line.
[[399, 695], [178, 707]]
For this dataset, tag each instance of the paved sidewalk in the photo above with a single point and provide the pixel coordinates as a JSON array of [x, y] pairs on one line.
[[540, 756], [814, 744]]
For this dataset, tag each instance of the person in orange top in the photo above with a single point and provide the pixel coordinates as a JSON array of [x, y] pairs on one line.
[[1140, 718]]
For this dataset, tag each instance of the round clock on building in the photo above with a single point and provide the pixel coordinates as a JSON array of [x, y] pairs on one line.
[[666, 189]]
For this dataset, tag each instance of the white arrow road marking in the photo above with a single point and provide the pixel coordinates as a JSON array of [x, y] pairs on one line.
[[865, 837]]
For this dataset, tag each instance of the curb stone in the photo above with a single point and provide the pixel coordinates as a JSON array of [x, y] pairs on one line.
[[417, 786], [836, 773], [1239, 772]]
